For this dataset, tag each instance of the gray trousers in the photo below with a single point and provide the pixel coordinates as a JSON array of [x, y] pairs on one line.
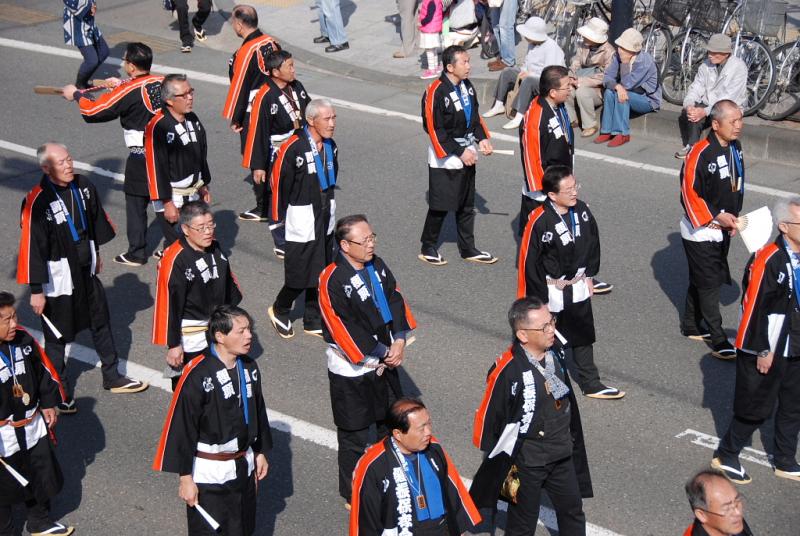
[[409, 33], [528, 89], [588, 99]]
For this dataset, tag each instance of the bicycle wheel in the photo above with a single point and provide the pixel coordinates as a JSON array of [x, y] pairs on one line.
[[684, 56], [785, 97], [760, 72], [656, 42]]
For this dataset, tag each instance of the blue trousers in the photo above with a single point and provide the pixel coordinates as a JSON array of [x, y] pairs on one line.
[[331, 24], [93, 56], [504, 19], [617, 115]]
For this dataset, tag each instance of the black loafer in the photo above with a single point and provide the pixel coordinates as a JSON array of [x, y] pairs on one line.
[[337, 48], [322, 39]]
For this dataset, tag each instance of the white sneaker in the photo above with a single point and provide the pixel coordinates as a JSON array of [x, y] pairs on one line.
[[497, 109], [514, 123]]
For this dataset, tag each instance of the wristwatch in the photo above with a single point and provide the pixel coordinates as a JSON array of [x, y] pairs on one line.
[[763, 353]]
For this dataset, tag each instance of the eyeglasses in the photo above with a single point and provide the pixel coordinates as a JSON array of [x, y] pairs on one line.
[[549, 326], [728, 508], [572, 190], [186, 95], [370, 240], [563, 88], [207, 228]]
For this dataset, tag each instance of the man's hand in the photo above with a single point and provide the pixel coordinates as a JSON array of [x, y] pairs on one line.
[[622, 93], [175, 357], [396, 354], [468, 157], [590, 284], [236, 128], [98, 265], [37, 304], [727, 221], [68, 91], [188, 490], [205, 195], [485, 147], [111, 82], [94, 9], [574, 82], [171, 213], [262, 466], [763, 364], [50, 416], [523, 74], [259, 176], [695, 113]]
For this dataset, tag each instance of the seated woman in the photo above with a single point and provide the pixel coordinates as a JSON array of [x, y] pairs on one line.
[[542, 52], [631, 85]]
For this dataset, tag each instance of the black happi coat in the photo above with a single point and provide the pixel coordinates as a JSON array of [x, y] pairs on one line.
[[48, 256], [451, 185], [190, 285], [247, 72], [274, 112], [308, 211], [375, 502], [33, 459], [176, 153], [547, 250], [502, 405], [543, 143], [134, 102]]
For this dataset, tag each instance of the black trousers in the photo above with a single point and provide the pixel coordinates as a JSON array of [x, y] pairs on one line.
[[352, 444], [690, 130], [136, 231], [782, 385], [703, 304], [312, 319], [586, 373], [465, 227], [561, 483], [527, 206], [38, 517], [171, 231], [182, 7]]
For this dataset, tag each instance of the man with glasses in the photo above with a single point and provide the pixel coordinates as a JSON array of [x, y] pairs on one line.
[[559, 254], [367, 322], [768, 352], [718, 508], [194, 277], [176, 151], [529, 426], [134, 101], [303, 179]]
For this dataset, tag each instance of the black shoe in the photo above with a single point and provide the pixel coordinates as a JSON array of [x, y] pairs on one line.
[[252, 215], [724, 351], [322, 39], [696, 335], [123, 385], [337, 48], [51, 529], [127, 261], [283, 325], [601, 287], [67, 408], [792, 472], [734, 472]]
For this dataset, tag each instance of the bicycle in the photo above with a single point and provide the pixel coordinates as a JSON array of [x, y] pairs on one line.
[[785, 97], [566, 16]]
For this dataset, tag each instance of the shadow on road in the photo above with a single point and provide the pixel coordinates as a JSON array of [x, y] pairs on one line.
[[277, 487]]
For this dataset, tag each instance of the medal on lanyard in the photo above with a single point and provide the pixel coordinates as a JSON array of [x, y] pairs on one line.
[[242, 384], [422, 504], [16, 389]]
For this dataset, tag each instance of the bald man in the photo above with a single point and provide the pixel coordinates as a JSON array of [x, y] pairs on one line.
[[717, 506]]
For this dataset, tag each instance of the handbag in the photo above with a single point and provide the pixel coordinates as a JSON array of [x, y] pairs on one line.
[[510, 485], [512, 97]]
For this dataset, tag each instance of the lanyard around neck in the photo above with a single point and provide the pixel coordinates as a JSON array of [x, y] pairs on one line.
[[76, 196], [9, 361], [795, 272], [242, 383], [377, 292], [465, 101], [325, 173]]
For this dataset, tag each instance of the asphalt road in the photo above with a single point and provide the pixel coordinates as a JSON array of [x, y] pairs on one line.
[[638, 464]]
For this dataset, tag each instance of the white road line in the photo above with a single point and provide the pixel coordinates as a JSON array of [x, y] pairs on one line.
[[366, 108], [712, 442], [30, 151], [279, 421]]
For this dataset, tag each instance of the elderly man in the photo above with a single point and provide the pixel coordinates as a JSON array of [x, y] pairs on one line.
[[423, 481], [216, 435], [366, 324], [586, 72], [528, 423], [63, 226], [712, 193], [194, 277], [542, 52], [768, 352], [176, 154], [721, 76], [303, 182], [451, 119], [30, 389], [718, 508]]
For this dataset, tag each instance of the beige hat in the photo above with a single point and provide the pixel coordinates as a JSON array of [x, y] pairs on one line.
[[630, 39], [534, 29], [596, 30], [719, 43]]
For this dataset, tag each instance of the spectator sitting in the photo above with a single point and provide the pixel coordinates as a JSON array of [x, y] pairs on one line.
[[721, 76], [542, 52], [718, 508], [631, 84], [586, 74]]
